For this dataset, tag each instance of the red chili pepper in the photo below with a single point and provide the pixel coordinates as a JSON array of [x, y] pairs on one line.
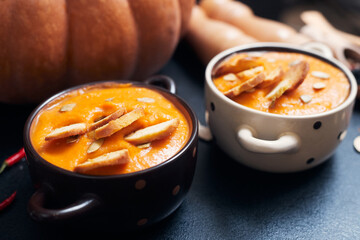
[[7, 201], [13, 159]]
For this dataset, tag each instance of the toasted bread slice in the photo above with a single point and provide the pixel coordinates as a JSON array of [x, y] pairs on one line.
[[245, 86], [116, 125], [297, 74], [272, 78], [237, 63], [152, 133], [107, 159], [291, 80], [230, 77], [250, 73], [118, 113], [67, 131]]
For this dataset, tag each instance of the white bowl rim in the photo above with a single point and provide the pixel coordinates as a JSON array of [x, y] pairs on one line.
[[287, 48]]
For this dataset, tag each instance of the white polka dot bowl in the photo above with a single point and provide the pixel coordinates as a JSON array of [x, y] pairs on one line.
[[117, 202], [272, 142]]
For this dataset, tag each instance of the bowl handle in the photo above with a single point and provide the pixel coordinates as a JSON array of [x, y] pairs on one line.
[[38, 212], [204, 131], [287, 142], [162, 81], [319, 48]]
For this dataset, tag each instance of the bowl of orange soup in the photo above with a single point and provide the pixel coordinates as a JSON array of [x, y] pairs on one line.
[[277, 107], [114, 152]]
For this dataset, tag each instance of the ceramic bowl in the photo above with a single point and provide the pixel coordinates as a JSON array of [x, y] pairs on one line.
[[272, 142], [129, 201]]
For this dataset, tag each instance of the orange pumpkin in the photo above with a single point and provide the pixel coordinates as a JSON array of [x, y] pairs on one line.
[[48, 45]]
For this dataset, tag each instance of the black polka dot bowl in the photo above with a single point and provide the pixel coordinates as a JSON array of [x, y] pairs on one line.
[[272, 142], [118, 202]]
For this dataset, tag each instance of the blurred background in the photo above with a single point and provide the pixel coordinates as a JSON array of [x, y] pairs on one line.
[[343, 14]]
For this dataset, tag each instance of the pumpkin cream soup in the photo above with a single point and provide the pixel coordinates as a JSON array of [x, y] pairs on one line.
[[281, 83], [109, 129]]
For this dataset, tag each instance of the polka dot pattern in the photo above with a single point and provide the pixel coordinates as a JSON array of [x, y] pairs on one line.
[[311, 160], [176, 190], [342, 135], [317, 125], [142, 222], [140, 184], [212, 106]]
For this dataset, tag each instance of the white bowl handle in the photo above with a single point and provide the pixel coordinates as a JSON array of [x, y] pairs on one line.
[[319, 48], [204, 131], [287, 142]]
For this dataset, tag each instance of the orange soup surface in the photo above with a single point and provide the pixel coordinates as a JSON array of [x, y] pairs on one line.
[[90, 105], [322, 88]]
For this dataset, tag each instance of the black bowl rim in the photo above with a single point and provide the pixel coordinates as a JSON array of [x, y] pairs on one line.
[[28, 146]]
